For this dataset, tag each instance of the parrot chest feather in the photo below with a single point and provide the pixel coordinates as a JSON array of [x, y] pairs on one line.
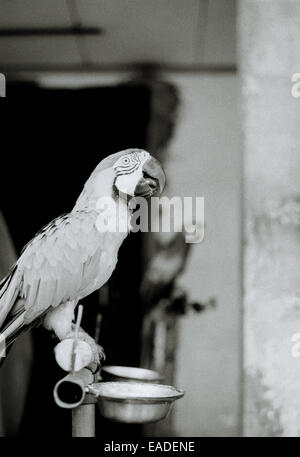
[[103, 263], [105, 258]]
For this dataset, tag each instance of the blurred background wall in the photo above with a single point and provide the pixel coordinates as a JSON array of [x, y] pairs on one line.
[[204, 159], [269, 54]]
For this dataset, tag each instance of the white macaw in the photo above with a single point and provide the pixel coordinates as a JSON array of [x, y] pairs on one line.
[[70, 257]]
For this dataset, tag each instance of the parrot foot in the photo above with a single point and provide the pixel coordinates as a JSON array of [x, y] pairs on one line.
[[89, 354]]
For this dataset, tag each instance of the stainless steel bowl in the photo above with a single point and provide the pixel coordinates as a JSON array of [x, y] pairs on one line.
[[129, 374], [135, 403]]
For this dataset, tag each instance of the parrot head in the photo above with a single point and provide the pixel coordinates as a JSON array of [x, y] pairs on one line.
[[127, 174], [138, 174]]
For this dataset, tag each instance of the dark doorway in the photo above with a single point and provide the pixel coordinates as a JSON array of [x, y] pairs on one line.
[[53, 140]]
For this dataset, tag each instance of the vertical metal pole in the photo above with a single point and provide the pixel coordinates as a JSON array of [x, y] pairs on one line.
[[83, 421]]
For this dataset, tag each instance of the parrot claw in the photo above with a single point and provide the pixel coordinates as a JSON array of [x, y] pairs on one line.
[[101, 352]]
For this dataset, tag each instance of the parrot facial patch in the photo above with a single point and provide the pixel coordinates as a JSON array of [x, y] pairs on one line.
[[129, 171], [138, 174]]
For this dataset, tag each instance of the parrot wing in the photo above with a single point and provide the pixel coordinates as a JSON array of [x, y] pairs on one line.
[[52, 268]]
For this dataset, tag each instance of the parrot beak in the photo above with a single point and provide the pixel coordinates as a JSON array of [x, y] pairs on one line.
[[153, 180]]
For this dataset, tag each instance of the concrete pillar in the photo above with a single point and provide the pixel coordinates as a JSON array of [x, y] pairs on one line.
[[269, 39]]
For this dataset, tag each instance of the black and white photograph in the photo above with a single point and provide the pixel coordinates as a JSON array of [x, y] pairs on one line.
[[149, 222]]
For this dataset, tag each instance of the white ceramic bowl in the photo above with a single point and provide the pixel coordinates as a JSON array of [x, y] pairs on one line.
[[129, 374]]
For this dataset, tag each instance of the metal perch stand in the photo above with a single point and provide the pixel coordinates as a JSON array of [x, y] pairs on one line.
[[70, 392], [128, 402]]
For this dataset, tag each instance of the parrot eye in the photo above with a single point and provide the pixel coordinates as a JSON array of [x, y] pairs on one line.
[[125, 161]]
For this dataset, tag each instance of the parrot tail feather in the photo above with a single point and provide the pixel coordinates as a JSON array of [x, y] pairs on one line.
[[4, 283], [11, 329], [9, 291], [13, 326]]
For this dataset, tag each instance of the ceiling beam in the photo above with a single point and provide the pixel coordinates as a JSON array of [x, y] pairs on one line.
[[118, 68], [49, 31]]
